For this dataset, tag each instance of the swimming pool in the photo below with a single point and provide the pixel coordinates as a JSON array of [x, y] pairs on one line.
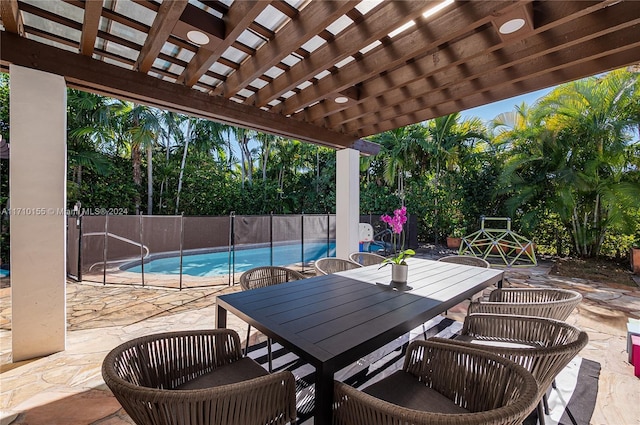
[[217, 263]]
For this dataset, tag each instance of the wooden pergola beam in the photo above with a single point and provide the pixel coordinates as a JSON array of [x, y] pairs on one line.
[[448, 26], [11, 17], [240, 16], [426, 73], [379, 23], [315, 17], [163, 24], [553, 62], [93, 75], [610, 60], [435, 79], [92, 13]]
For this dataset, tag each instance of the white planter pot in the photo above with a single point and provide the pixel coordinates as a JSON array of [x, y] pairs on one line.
[[399, 273]]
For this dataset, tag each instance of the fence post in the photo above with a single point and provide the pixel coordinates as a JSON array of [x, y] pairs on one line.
[[181, 244], [328, 233], [302, 238], [231, 242], [271, 238], [104, 249], [79, 224], [141, 249]]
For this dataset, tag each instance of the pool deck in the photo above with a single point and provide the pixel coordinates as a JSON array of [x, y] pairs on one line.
[[67, 388]]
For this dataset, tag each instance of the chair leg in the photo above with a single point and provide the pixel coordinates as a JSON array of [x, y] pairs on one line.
[[540, 413], [269, 354], [545, 403], [246, 344]]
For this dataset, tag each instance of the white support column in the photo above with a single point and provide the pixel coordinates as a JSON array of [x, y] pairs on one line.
[[347, 202], [37, 193]]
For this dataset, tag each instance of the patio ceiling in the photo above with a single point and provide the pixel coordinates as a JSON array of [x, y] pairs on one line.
[[327, 72]]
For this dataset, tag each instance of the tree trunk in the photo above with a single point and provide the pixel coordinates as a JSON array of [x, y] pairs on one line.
[[244, 146], [184, 161], [150, 179], [242, 170], [165, 182], [265, 158], [435, 211], [137, 174]]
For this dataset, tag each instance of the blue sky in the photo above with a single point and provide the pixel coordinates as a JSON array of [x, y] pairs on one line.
[[492, 110]]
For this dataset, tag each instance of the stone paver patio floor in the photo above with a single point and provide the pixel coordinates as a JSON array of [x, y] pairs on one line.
[[66, 388]]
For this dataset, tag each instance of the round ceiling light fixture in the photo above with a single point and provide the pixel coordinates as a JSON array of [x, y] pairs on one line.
[[198, 37], [511, 26], [341, 99]]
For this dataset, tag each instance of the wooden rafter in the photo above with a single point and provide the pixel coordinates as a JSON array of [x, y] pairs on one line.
[[100, 77], [380, 23], [241, 15], [315, 17], [552, 62], [11, 17], [437, 72], [448, 26], [163, 24], [92, 13], [611, 60], [50, 16], [538, 55]]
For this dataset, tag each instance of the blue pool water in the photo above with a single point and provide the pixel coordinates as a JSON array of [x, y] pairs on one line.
[[4, 273], [217, 263]]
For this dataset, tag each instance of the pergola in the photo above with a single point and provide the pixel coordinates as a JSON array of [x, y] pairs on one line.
[[325, 72]]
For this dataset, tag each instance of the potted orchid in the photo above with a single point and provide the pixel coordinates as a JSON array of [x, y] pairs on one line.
[[399, 268]]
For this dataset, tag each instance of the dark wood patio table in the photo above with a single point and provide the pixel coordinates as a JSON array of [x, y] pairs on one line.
[[332, 321]]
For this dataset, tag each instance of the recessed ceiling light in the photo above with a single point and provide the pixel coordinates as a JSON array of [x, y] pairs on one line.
[[341, 99], [511, 26], [198, 37]]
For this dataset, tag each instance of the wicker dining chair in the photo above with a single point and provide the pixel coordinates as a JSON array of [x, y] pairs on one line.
[[329, 265], [543, 346], [466, 260], [366, 258], [259, 277], [441, 384], [540, 302], [197, 378]]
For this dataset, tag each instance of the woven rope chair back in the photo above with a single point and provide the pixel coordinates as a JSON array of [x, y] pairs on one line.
[[494, 390], [366, 258], [466, 260], [550, 344], [553, 303], [329, 265], [266, 276], [144, 373]]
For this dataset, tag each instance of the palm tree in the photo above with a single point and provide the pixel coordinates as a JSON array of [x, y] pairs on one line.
[[402, 152], [288, 159], [141, 128], [170, 123], [205, 136], [243, 137], [449, 142], [91, 123], [576, 160], [266, 143]]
